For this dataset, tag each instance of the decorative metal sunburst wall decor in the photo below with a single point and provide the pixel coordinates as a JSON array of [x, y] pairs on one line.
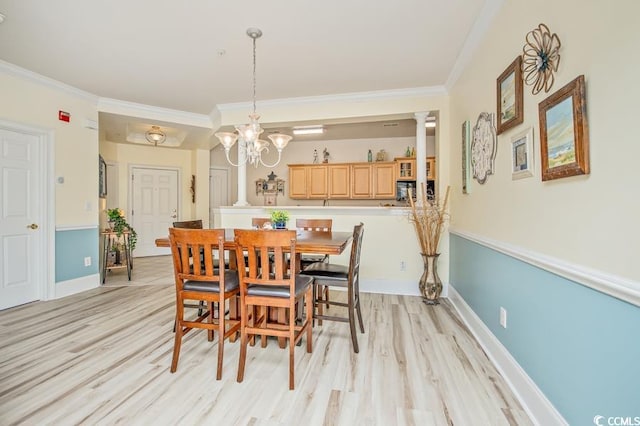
[[540, 58]]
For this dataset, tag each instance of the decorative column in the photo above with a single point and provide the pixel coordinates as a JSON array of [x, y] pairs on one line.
[[421, 147], [242, 175]]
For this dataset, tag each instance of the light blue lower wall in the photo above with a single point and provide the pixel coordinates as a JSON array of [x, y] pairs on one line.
[[581, 347], [71, 249]]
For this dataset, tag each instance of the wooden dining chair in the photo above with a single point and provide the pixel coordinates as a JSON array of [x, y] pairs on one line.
[[270, 285], [202, 282], [191, 224], [345, 276], [316, 225], [258, 222], [188, 224]]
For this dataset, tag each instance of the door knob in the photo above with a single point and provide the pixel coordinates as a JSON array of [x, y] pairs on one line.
[[33, 226]]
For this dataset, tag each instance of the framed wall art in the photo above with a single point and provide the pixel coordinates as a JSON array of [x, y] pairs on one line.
[[564, 132], [466, 155], [522, 158], [483, 147], [509, 96], [102, 177]]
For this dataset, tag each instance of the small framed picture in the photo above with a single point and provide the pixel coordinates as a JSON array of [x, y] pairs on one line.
[[522, 161], [102, 177], [564, 132], [466, 157], [509, 96]]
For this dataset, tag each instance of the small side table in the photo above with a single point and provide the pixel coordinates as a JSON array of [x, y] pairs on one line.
[[108, 239]]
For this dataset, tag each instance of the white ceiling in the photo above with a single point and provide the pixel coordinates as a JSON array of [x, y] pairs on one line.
[[168, 54]]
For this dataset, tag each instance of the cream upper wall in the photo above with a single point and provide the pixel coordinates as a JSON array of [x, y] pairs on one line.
[[588, 220], [76, 147], [128, 155]]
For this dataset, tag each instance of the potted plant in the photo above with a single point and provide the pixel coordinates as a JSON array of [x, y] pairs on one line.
[[279, 219], [118, 224], [428, 217]]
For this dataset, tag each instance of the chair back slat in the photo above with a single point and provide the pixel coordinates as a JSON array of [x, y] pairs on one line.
[[206, 241], [253, 245], [188, 224], [318, 225], [354, 260]]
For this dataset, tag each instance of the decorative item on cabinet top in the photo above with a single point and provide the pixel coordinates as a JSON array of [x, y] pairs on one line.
[[271, 185]]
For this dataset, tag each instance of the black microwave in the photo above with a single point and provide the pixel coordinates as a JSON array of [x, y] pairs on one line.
[[403, 188]]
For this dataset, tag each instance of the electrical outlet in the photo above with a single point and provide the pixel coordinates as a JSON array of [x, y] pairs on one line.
[[503, 317], [87, 261], [403, 265]]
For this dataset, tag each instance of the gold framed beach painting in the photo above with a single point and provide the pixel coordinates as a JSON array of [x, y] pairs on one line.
[[509, 96], [564, 132]]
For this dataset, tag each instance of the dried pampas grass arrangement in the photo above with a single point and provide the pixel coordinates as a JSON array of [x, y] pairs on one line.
[[428, 217]]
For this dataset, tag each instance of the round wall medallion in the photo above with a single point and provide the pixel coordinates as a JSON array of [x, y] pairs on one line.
[[483, 147], [540, 58]]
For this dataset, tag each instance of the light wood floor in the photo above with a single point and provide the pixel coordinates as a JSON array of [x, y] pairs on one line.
[[103, 356]]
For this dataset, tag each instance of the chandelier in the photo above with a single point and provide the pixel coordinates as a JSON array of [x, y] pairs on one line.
[[248, 135], [155, 135]]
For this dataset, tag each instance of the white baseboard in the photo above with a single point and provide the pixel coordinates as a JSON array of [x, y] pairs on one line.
[[534, 402], [77, 285]]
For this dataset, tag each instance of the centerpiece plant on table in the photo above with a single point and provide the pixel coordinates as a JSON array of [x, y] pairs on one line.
[[428, 216], [279, 219], [118, 223]]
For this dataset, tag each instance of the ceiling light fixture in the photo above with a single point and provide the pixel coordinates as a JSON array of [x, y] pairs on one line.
[[249, 134], [311, 130], [430, 124], [155, 135]]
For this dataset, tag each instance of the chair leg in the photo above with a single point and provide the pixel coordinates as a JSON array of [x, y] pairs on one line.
[[178, 336], [243, 342], [309, 300], [319, 302], [210, 332], [221, 332], [359, 313], [326, 296], [292, 346], [352, 327]]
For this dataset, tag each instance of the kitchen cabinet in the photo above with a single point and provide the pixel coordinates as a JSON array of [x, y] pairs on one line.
[[339, 179], [297, 182], [342, 181], [431, 168], [308, 181], [373, 180], [406, 168]]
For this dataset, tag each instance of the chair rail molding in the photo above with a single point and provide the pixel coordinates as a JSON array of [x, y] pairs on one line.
[[613, 285]]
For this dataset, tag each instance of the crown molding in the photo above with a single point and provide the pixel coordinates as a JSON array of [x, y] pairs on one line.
[[115, 106], [25, 74], [471, 43], [343, 97]]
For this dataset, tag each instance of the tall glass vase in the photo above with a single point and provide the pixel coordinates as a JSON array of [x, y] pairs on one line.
[[430, 284]]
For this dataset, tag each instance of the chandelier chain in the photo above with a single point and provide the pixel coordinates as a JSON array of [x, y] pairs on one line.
[[254, 75]]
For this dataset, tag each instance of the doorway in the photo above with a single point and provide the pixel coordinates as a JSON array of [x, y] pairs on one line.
[[218, 192], [154, 207], [26, 227]]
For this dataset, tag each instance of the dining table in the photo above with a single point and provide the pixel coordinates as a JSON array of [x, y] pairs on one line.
[[313, 242], [308, 242]]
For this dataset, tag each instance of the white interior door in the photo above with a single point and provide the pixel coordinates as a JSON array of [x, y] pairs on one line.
[[154, 207], [21, 227], [218, 191]]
